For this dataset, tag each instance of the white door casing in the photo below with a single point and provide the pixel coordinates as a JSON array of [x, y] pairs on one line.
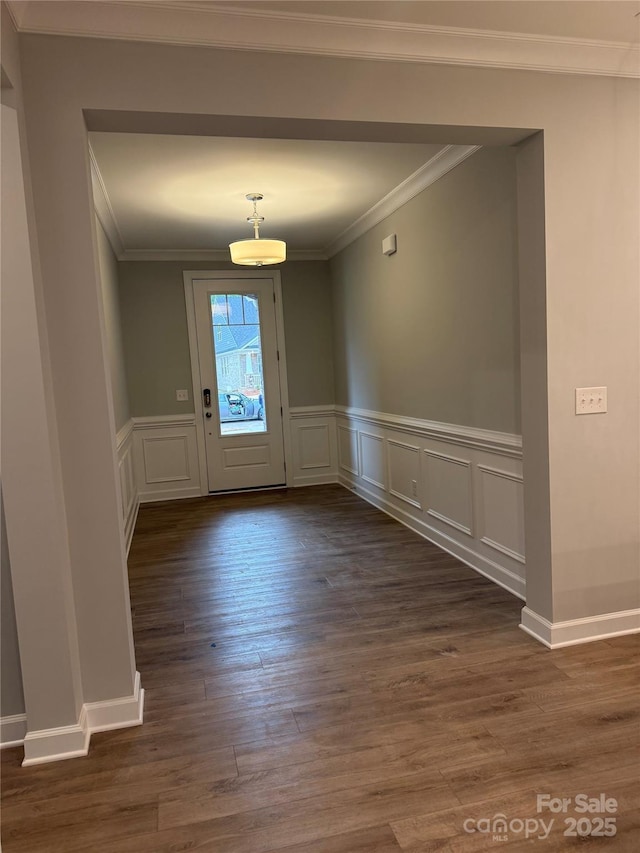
[[252, 459]]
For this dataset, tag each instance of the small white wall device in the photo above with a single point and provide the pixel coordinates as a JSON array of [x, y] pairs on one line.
[[389, 245]]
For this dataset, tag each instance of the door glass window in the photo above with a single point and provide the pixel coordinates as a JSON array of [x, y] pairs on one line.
[[237, 348]]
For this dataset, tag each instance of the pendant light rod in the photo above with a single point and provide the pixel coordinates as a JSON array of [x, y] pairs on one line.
[[255, 218], [258, 251]]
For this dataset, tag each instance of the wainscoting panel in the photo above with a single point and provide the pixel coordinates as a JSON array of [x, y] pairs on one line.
[[348, 457], [313, 445], [128, 487], [502, 519], [165, 457], [404, 471], [373, 459], [448, 488], [459, 487]]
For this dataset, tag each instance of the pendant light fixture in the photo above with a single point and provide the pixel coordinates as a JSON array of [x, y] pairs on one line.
[[259, 251]]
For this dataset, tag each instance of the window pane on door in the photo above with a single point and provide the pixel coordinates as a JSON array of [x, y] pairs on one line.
[[237, 347]]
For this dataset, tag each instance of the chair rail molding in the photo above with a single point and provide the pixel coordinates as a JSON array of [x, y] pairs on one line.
[[502, 443]]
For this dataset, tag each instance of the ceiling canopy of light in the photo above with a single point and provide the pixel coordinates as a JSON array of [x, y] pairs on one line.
[[258, 251]]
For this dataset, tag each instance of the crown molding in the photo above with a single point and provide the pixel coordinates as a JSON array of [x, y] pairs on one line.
[[103, 208], [237, 28], [208, 255], [17, 13], [444, 161]]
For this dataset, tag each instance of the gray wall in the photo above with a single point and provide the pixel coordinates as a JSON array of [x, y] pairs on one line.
[[11, 696], [115, 352], [156, 342], [432, 331], [306, 298]]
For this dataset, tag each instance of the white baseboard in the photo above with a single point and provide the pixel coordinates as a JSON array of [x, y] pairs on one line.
[[498, 574], [315, 480], [556, 635], [46, 745], [116, 713], [12, 730], [169, 495], [130, 524]]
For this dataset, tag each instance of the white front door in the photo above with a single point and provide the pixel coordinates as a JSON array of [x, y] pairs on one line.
[[241, 408]]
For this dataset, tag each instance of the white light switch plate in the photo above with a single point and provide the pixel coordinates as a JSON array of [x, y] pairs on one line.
[[591, 401], [182, 396], [389, 245]]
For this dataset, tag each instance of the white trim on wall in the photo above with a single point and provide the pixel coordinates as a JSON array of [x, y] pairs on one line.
[[348, 450], [163, 421], [459, 464], [411, 453], [310, 434], [239, 28], [371, 458], [327, 410], [116, 713], [502, 443], [557, 635], [515, 551], [166, 458], [12, 730], [313, 439], [445, 504], [103, 207], [57, 744], [127, 479]]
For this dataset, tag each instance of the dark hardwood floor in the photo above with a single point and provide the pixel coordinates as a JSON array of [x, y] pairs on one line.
[[321, 680]]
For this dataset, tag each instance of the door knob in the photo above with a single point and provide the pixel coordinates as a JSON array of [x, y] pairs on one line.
[[207, 414]]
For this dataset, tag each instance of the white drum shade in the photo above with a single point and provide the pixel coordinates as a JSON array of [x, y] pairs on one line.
[[258, 253]]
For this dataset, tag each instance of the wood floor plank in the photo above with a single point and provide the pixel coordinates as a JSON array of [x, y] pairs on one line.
[[289, 782], [439, 740], [85, 779], [301, 821], [319, 679], [456, 829], [379, 839]]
